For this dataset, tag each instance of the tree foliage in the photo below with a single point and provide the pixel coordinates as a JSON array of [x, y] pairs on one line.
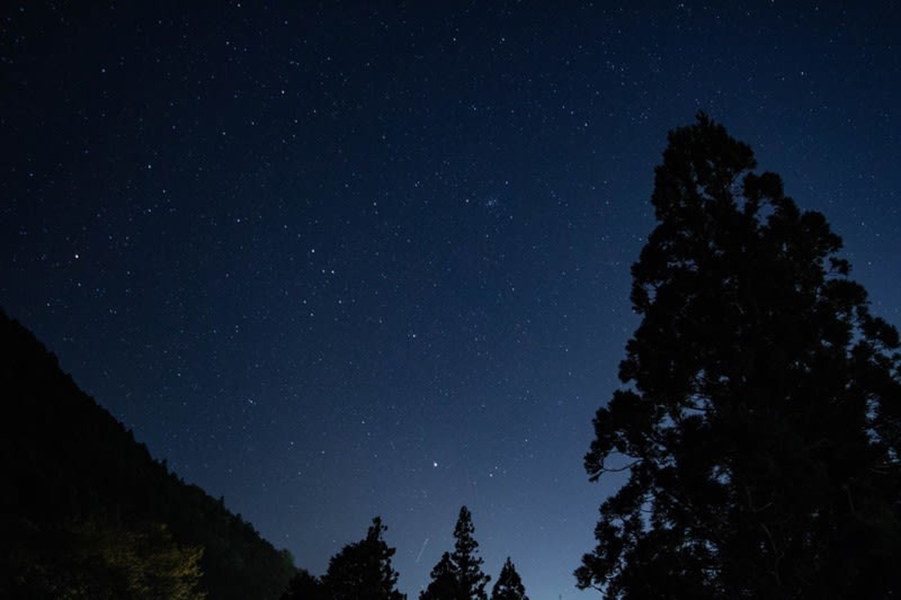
[[362, 570], [69, 463], [93, 561], [760, 427], [465, 557], [509, 585], [458, 575], [304, 586], [445, 583]]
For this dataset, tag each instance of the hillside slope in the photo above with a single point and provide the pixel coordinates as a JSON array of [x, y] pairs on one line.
[[79, 477]]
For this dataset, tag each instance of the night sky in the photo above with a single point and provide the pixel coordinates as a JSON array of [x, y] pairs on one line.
[[332, 261]]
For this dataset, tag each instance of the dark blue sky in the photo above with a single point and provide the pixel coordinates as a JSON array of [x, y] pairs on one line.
[[341, 262]]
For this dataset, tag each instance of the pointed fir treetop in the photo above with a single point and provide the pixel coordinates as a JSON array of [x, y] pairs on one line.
[[469, 565], [458, 575], [509, 585], [464, 542]]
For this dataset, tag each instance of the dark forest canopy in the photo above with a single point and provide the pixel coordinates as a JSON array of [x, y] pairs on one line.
[[760, 422], [88, 513]]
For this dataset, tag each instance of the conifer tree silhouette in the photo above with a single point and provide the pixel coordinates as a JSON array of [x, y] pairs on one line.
[[509, 585], [458, 575], [760, 424], [362, 570]]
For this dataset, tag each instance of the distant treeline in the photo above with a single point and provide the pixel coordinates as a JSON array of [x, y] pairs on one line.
[[363, 571]]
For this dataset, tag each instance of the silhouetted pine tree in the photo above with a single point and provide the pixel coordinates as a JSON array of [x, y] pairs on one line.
[[459, 576], [445, 584], [363, 571], [469, 565], [761, 431], [509, 585]]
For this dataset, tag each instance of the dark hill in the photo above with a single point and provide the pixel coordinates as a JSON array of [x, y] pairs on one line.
[[89, 513]]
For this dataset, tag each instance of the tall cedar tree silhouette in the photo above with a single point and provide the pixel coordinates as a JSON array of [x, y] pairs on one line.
[[362, 570], [509, 585], [459, 576], [760, 432]]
